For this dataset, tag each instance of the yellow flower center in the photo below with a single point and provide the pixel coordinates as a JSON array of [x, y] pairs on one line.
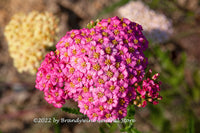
[[56, 94], [85, 89], [122, 89], [83, 64], [72, 84], [108, 115], [88, 39], [115, 25], [92, 33], [96, 67], [112, 87], [96, 55], [100, 94], [121, 102], [100, 40], [83, 50], [66, 54], [72, 34], [117, 65], [109, 73], [76, 60], [124, 25], [48, 77], [79, 79], [120, 112], [109, 20], [93, 48], [138, 62], [101, 107], [74, 51], [101, 81], [71, 70], [57, 52], [135, 41], [104, 33], [89, 77], [66, 44], [128, 60], [60, 42], [103, 27], [86, 107], [131, 49], [94, 115], [125, 41], [77, 41], [121, 76], [138, 73], [130, 31], [121, 52], [108, 62], [80, 97], [90, 99], [114, 42], [116, 32], [83, 34], [108, 50], [110, 101], [44, 85]]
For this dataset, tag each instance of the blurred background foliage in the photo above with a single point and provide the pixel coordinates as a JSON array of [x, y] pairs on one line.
[[177, 61]]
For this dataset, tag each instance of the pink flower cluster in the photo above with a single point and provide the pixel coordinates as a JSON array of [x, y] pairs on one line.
[[148, 90], [101, 68]]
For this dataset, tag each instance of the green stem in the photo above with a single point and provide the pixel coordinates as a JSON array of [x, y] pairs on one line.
[[72, 111]]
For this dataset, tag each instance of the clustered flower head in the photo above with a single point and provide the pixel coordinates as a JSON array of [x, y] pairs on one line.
[[28, 37], [157, 27], [102, 68]]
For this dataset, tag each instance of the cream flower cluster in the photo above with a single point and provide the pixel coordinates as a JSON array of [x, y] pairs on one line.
[[157, 28], [28, 37]]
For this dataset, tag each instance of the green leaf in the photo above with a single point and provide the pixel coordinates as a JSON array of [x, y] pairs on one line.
[[130, 112], [195, 94], [154, 4], [166, 126], [128, 126], [113, 128], [111, 8], [92, 24], [196, 78], [52, 48], [108, 125], [134, 130], [57, 128], [101, 130], [72, 110], [190, 128], [156, 116]]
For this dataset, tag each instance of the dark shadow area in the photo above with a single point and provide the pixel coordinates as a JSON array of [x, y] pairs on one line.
[[73, 20]]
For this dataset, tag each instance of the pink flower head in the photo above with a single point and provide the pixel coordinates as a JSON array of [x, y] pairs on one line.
[[102, 68]]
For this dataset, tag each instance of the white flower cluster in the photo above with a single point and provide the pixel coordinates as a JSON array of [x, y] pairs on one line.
[[28, 37], [157, 28]]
